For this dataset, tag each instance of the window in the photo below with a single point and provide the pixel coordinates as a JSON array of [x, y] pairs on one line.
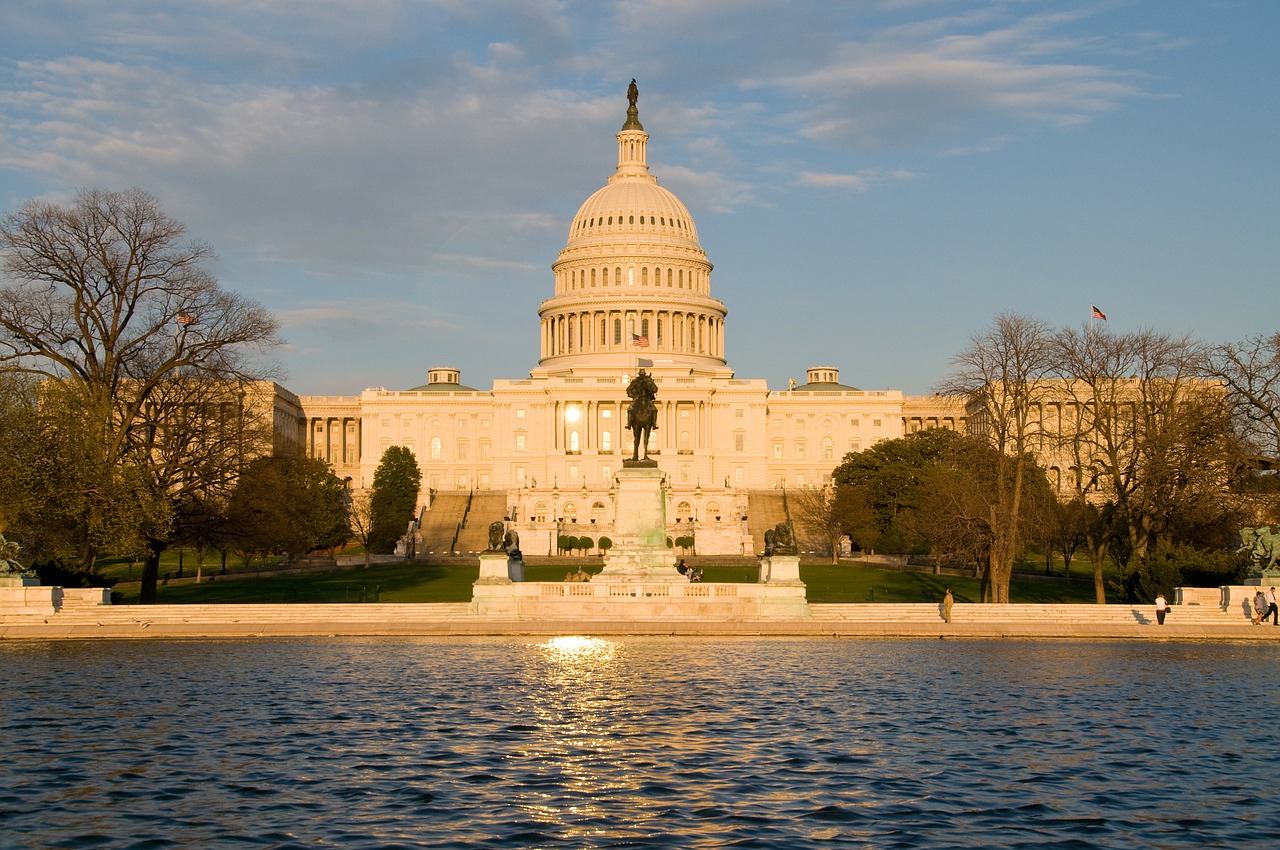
[[597, 513], [828, 448], [617, 331], [573, 472], [540, 512], [519, 476], [777, 448], [739, 441], [739, 413], [520, 413], [800, 449], [739, 474], [606, 414], [875, 423], [486, 449], [435, 448], [519, 442], [573, 441], [606, 441], [464, 450]]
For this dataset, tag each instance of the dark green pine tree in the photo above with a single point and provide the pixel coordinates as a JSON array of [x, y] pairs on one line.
[[395, 497]]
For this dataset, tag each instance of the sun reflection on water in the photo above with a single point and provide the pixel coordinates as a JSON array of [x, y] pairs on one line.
[[576, 649]]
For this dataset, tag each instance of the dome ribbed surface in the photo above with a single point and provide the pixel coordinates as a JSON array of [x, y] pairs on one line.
[[633, 209]]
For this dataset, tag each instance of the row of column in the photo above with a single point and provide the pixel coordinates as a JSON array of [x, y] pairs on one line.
[[590, 425], [320, 431], [593, 331]]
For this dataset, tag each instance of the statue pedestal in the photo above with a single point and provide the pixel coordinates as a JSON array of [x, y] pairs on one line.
[[781, 570], [493, 568], [494, 594], [640, 552], [19, 581]]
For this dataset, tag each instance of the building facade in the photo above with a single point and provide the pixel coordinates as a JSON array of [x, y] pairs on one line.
[[631, 289]]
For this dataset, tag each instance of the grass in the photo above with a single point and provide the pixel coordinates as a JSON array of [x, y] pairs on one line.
[[846, 583], [423, 582]]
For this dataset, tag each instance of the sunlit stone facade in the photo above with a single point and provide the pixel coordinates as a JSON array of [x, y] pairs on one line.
[[631, 289]]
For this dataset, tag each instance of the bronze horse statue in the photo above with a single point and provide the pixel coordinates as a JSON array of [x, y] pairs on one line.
[[642, 415]]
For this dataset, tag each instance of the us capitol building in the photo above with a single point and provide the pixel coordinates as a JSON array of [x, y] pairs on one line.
[[632, 289]]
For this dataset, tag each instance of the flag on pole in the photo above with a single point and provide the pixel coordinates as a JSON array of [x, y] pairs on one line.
[[639, 341], [184, 318], [1098, 314], [644, 364]]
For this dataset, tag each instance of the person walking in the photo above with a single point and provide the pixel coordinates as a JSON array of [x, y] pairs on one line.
[[1259, 607], [1162, 608], [1272, 611], [947, 602]]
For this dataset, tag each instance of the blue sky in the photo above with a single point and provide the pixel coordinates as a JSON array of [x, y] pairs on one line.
[[873, 180]]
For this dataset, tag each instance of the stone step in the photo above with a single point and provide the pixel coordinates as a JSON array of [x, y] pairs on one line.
[[1024, 613]]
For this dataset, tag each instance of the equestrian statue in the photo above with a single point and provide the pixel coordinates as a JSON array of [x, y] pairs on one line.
[[642, 415]]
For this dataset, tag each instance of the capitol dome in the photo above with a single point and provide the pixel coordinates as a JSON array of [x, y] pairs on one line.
[[632, 278]]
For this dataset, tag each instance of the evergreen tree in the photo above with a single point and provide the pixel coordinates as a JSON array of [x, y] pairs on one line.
[[395, 497]]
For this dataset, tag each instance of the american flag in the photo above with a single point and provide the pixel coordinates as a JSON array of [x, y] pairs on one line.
[[185, 318], [639, 341], [1098, 314]]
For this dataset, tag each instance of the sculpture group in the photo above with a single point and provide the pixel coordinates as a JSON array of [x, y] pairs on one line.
[[1263, 546]]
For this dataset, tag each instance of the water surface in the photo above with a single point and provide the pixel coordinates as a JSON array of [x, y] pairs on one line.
[[637, 742]]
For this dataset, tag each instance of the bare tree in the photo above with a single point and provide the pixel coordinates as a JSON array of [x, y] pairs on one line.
[[360, 514], [1004, 372], [105, 298], [817, 515], [1250, 370], [1146, 439]]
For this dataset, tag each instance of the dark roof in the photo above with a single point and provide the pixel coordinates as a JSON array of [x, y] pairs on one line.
[[824, 386], [443, 388]]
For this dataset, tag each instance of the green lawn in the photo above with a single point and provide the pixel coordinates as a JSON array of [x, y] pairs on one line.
[[846, 583], [401, 582]]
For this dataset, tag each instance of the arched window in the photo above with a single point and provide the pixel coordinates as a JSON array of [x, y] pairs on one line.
[[828, 448], [570, 512], [604, 276], [644, 327], [435, 448], [597, 512], [684, 512], [606, 441], [540, 512], [684, 440], [617, 331], [713, 511], [573, 441], [593, 278], [644, 275]]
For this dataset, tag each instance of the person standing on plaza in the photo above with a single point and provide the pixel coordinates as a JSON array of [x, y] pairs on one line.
[[947, 601], [1162, 608], [1272, 611]]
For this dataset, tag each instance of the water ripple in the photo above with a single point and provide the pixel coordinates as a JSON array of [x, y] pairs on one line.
[[629, 743]]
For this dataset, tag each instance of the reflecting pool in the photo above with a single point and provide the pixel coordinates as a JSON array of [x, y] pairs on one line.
[[637, 742]]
